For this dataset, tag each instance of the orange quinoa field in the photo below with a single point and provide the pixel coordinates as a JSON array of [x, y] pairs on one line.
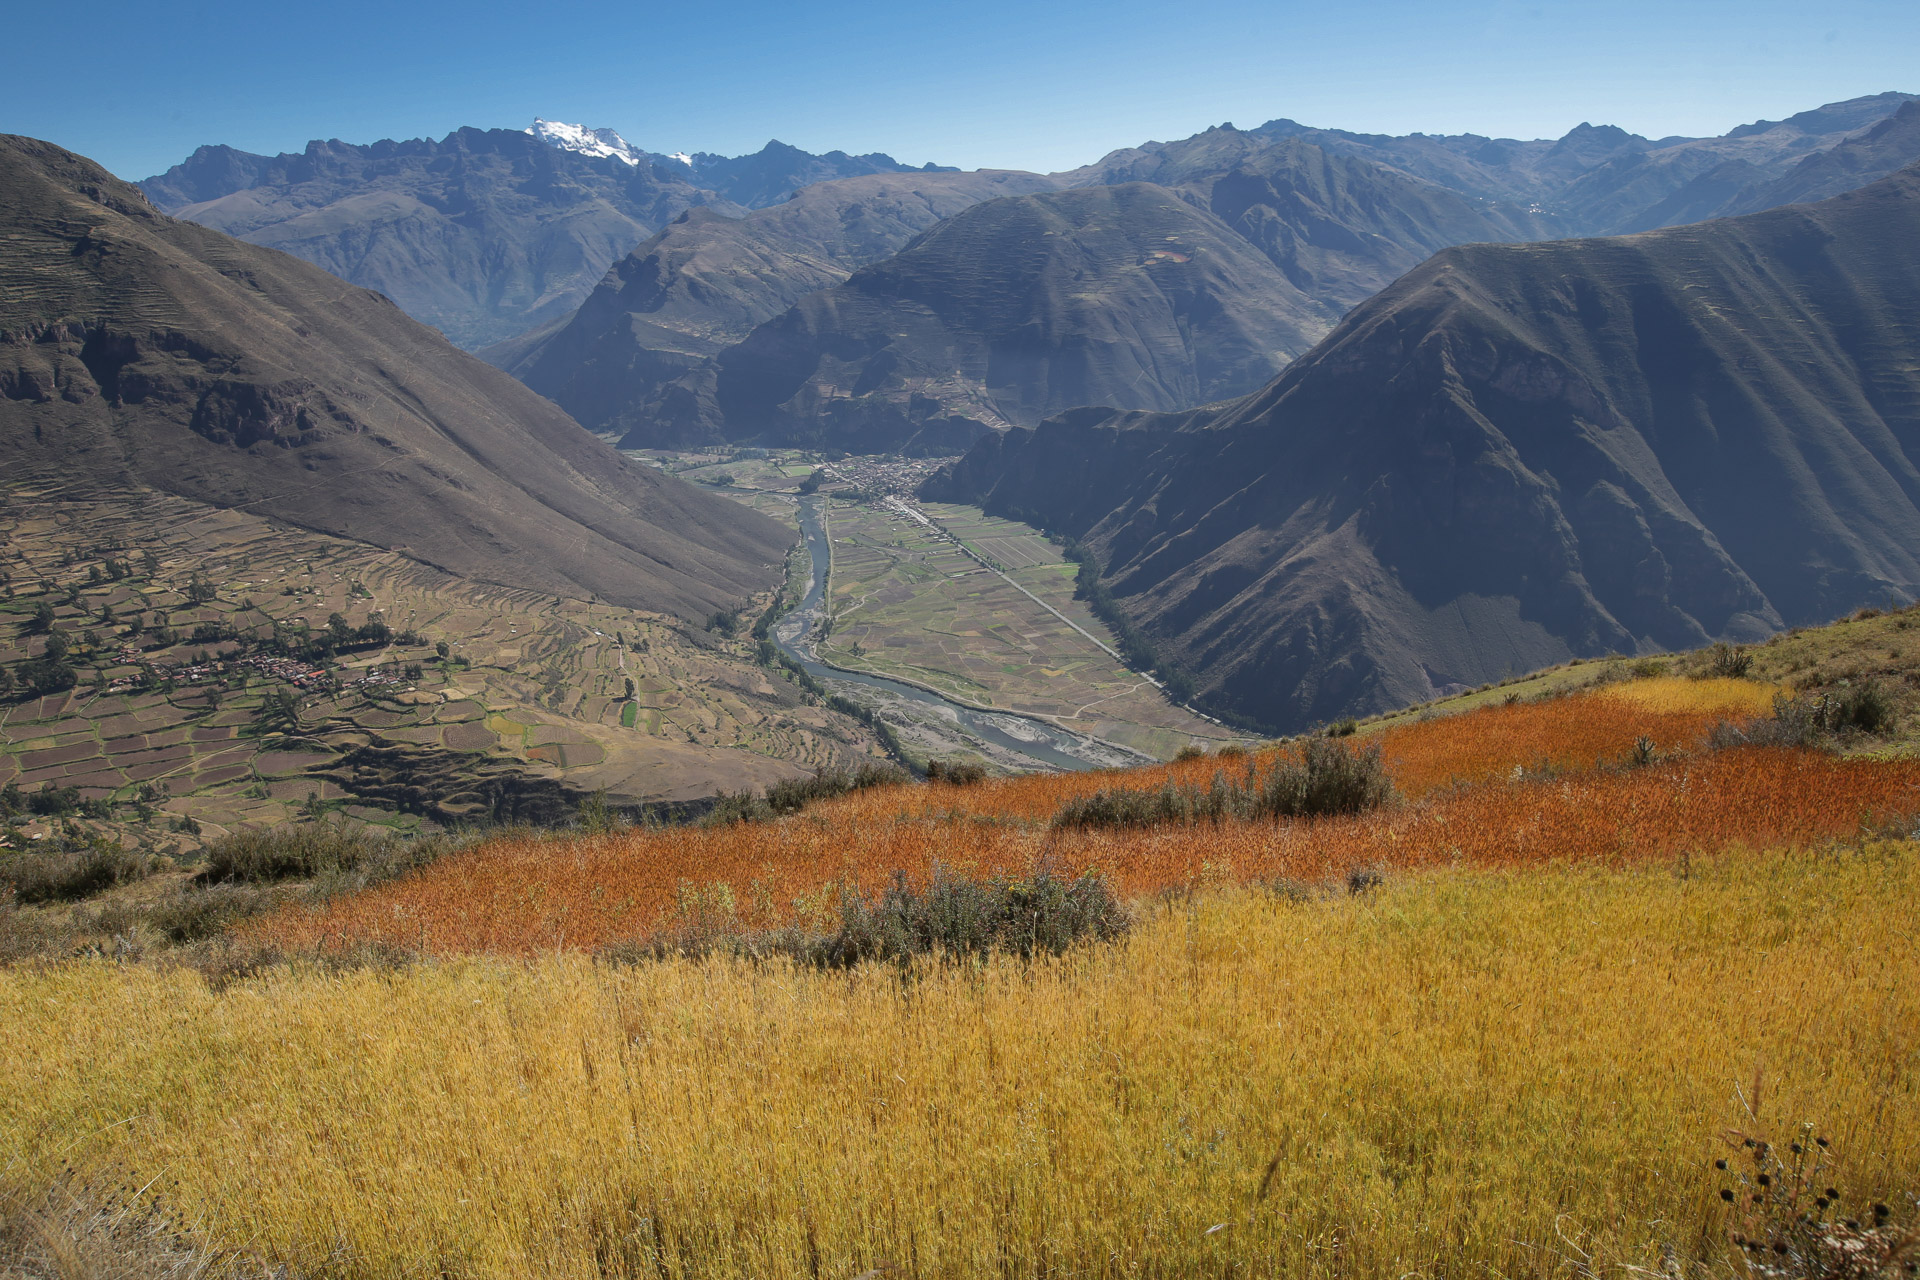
[[522, 896]]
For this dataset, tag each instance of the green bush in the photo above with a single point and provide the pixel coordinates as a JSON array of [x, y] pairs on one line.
[[319, 851], [67, 875], [1730, 661], [958, 773], [955, 916], [795, 794], [1809, 719], [1330, 777]]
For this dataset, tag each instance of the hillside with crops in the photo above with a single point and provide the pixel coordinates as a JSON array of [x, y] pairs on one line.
[[1608, 969]]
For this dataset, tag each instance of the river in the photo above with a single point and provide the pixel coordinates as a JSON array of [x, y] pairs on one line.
[[1048, 746]]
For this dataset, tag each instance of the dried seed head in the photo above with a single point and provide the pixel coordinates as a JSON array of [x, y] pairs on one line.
[[1726, 1195], [1765, 1181], [1719, 1164], [1820, 1142]]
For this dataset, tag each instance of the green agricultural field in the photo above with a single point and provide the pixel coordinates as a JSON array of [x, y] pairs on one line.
[[910, 604]]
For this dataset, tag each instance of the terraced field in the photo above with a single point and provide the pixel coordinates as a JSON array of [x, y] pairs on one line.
[[528, 697]]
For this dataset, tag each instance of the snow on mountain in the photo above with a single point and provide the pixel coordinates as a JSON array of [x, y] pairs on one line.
[[683, 158], [588, 142]]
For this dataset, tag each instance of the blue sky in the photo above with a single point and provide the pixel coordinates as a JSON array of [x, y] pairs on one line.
[[989, 83]]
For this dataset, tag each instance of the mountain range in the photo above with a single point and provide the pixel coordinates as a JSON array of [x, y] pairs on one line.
[[139, 351], [1516, 454], [751, 330], [485, 233]]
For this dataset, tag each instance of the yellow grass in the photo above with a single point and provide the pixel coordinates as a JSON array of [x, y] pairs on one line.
[[1720, 696], [1457, 1075]]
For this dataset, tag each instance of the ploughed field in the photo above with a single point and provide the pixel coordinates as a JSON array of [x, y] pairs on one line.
[[1503, 1023]]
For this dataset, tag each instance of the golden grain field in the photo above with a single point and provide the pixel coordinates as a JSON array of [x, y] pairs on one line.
[[1513, 1072]]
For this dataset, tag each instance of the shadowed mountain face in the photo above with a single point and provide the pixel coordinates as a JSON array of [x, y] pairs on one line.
[[1016, 309], [1516, 454], [636, 358], [138, 351], [483, 234]]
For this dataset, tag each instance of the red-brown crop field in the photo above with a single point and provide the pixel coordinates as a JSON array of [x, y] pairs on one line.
[[1462, 804]]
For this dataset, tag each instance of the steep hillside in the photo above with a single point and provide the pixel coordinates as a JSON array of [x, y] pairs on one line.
[[137, 351], [1889, 145], [1516, 454], [1015, 309], [483, 234], [636, 358]]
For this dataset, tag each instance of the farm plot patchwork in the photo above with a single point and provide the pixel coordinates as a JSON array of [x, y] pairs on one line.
[[910, 604], [174, 711]]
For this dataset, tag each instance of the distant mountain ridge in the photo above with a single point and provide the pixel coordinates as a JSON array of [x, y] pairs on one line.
[[637, 359], [486, 233], [1602, 180], [1516, 454], [142, 352]]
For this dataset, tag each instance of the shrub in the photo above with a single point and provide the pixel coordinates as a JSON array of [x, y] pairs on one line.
[[319, 851], [1330, 777], [68, 875], [194, 915], [955, 916], [795, 794], [1729, 661], [51, 801], [957, 773], [1864, 706], [1803, 721], [1789, 1223]]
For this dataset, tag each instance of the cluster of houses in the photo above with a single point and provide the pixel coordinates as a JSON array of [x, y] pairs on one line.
[[299, 674]]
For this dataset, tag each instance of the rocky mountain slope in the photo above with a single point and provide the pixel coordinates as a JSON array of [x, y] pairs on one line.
[[141, 351], [637, 356], [1341, 228], [1019, 308], [1340, 216], [1519, 453]]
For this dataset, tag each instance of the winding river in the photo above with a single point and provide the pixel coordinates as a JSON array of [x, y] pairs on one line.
[[1039, 741]]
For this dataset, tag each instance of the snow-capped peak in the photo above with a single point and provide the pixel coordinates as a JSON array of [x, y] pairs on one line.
[[683, 158], [588, 142]]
